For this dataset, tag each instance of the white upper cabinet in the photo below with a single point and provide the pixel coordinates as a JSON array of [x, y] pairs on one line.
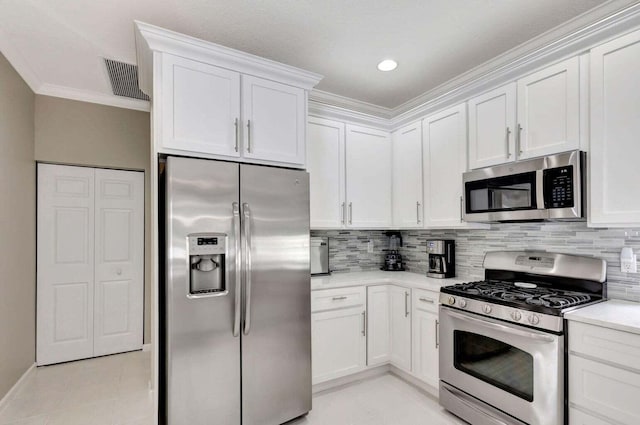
[[444, 159], [325, 164], [407, 176], [615, 126], [368, 171], [211, 101], [537, 115], [274, 116], [201, 107], [549, 110], [492, 123]]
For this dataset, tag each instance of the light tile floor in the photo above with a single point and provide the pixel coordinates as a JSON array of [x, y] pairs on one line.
[[113, 390], [110, 390], [384, 400]]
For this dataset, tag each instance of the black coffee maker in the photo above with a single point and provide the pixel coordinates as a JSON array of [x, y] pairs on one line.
[[392, 259], [442, 257]]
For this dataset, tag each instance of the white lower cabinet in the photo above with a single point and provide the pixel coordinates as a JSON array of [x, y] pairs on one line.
[[604, 376], [378, 325], [400, 318], [338, 343], [425, 336]]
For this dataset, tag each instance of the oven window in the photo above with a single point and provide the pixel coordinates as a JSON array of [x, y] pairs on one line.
[[494, 362], [508, 193]]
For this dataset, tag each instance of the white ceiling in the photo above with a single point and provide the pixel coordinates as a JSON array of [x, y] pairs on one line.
[[60, 43]]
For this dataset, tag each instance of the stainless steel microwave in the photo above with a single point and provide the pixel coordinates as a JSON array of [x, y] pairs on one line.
[[547, 188]]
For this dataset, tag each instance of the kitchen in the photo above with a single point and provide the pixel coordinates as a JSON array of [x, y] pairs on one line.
[[372, 170]]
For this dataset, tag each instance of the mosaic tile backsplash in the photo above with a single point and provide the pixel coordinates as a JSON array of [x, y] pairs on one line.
[[348, 248]]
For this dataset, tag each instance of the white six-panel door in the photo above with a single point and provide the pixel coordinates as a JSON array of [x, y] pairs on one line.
[[90, 262], [119, 261]]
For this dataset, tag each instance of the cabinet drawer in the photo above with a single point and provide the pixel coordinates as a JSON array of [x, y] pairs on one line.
[[612, 392], [425, 300], [612, 346], [331, 299]]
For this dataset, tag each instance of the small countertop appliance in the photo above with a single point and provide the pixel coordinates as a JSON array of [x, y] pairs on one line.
[[393, 260], [319, 255], [442, 257]]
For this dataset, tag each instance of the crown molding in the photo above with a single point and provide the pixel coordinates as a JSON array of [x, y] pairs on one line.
[[324, 97], [93, 97], [325, 110], [162, 40]]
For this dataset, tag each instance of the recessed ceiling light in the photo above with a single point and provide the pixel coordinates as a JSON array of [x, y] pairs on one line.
[[387, 65]]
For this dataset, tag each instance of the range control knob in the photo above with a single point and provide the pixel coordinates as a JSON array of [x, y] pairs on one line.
[[486, 308], [452, 301], [516, 315], [462, 303], [534, 319]]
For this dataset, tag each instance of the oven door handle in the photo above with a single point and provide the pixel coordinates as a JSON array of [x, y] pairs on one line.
[[488, 323]]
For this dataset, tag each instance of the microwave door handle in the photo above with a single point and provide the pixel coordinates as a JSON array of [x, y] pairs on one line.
[[540, 189], [486, 323]]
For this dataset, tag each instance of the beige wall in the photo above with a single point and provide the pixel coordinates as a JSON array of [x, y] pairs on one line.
[[80, 133], [17, 228]]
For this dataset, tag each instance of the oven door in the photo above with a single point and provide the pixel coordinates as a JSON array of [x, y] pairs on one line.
[[517, 370]]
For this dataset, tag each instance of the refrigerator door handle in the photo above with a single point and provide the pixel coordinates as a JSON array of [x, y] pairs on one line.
[[237, 269], [247, 270]]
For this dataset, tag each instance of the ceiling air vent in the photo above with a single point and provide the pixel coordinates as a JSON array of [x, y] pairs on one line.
[[124, 79]]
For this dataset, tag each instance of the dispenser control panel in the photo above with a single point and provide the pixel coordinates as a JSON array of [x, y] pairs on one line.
[[209, 244]]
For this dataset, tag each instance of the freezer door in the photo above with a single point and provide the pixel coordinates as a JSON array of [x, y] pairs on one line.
[[276, 337], [202, 355]]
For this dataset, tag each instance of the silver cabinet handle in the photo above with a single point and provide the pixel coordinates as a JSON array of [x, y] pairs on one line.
[[406, 304], [339, 298], [426, 300], [364, 323], [237, 133], [247, 272], [437, 333], [249, 136], [461, 210], [342, 213], [508, 137], [238, 267], [350, 212], [418, 212], [519, 140]]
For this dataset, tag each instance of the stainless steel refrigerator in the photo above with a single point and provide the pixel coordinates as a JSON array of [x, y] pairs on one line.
[[237, 318]]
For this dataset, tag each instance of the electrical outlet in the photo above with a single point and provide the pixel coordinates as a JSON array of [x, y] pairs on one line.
[[628, 261], [370, 246]]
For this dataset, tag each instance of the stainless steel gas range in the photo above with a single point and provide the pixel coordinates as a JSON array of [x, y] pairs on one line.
[[503, 339]]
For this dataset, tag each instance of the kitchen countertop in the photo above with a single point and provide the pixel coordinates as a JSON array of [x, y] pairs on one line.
[[614, 314], [407, 279]]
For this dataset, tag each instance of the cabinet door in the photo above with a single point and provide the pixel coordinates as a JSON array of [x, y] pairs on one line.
[[492, 122], [275, 121], [119, 261], [425, 346], [400, 306], [338, 343], [200, 107], [615, 126], [549, 110], [378, 325], [407, 176], [444, 160], [368, 165], [65, 263], [325, 164]]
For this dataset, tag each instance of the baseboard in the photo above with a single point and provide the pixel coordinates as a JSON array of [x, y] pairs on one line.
[[337, 383], [407, 377], [146, 347], [9, 395]]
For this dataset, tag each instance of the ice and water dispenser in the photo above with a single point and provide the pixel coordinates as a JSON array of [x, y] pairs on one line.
[[207, 269]]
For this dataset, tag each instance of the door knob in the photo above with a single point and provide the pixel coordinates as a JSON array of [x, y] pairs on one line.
[[119, 272]]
